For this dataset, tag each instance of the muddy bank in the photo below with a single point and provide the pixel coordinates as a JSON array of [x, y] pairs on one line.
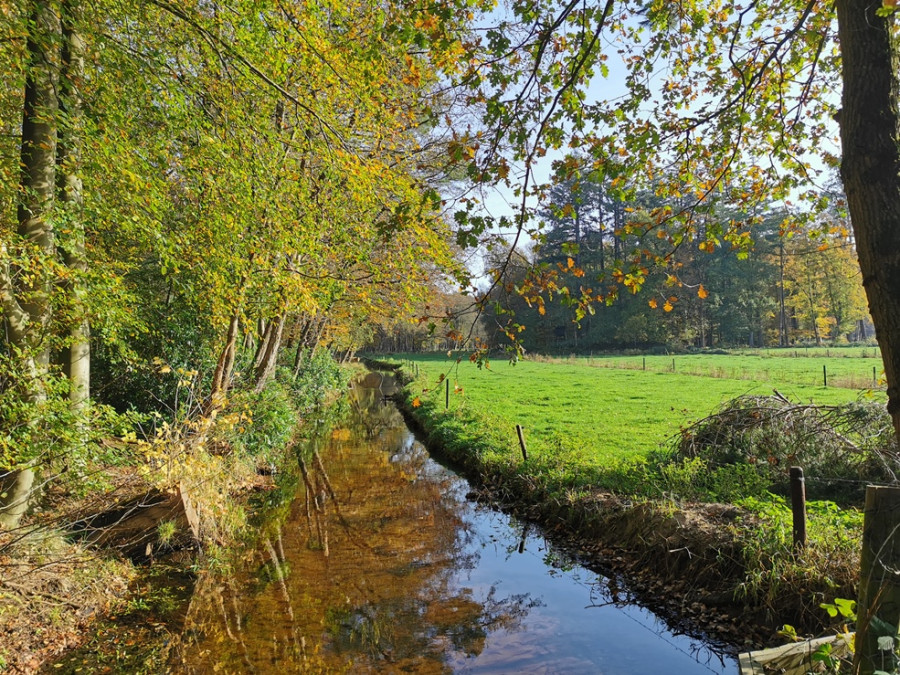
[[686, 562]]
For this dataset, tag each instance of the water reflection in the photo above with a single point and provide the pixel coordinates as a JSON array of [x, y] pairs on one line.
[[380, 565], [362, 574]]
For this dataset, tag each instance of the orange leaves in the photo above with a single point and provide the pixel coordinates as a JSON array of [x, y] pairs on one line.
[[668, 307], [416, 402], [653, 304], [702, 293], [427, 22]]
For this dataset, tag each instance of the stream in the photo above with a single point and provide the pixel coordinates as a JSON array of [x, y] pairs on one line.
[[375, 562]]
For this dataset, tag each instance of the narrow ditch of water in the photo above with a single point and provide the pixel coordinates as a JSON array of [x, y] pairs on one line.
[[379, 564]]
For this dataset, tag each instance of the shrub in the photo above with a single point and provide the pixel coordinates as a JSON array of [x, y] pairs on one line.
[[318, 375], [270, 421]]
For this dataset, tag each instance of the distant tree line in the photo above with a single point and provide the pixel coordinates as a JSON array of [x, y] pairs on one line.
[[783, 281]]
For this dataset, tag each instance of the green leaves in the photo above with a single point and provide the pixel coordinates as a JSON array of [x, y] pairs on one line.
[[841, 606]]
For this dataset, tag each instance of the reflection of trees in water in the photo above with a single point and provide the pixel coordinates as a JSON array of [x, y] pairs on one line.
[[369, 579], [372, 413], [426, 627]]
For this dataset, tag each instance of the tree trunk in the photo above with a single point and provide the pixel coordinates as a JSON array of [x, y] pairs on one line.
[[26, 298], [301, 344], [267, 364], [263, 345], [225, 362], [69, 186], [870, 129], [315, 343]]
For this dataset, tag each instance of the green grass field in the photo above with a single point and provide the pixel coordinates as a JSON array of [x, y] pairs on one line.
[[848, 367], [609, 409]]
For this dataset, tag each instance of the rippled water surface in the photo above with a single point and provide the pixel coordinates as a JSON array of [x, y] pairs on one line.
[[378, 564]]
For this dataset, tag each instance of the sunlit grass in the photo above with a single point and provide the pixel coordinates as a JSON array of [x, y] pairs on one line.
[[606, 414]]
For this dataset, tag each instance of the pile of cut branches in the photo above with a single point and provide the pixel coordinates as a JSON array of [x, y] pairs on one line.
[[839, 447]]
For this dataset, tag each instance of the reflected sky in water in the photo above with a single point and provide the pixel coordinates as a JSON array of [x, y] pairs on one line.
[[378, 564]]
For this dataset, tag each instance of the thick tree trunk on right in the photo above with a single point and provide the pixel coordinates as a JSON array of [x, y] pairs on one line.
[[870, 169]]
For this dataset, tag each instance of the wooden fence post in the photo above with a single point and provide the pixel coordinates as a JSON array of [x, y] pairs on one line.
[[447, 396], [798, 506], [878, 609], [522, 442], [824, 375]]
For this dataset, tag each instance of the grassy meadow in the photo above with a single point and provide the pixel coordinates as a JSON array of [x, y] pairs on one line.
[[609, 410], [845, 367]]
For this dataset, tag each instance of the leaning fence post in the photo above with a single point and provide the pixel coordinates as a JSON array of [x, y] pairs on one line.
[[522, 442], [878, 609], [798, 506]]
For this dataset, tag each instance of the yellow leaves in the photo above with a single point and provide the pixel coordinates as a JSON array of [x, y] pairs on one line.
[[653, 304], [428, 22], [702, 293], [668, 306]]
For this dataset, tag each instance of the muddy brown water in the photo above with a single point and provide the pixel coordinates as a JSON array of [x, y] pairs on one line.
[[379, 564]]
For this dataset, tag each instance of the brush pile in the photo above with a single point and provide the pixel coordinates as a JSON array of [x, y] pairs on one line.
[[840, 448]]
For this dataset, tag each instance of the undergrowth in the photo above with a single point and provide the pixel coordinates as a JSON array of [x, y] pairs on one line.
[[53, 587]]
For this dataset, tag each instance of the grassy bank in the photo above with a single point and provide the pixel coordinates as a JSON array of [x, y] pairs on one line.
[[92, 582], [599, 453]]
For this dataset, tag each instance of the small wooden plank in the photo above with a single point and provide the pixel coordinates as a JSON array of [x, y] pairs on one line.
[[791, 659]]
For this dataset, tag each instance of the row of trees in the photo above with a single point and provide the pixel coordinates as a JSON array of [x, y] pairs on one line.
[[199, 184], [785, 283]]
